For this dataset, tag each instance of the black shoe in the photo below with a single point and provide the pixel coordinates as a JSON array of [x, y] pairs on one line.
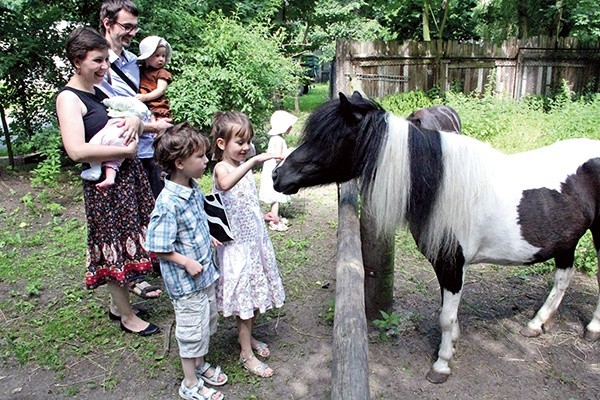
[[151, 329], [137, 311]]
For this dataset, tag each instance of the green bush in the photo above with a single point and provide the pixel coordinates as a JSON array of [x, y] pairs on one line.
[[232, 66], [48, 171]]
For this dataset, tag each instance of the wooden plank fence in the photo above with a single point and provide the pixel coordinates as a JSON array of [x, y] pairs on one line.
[[516, 67], [350, 368]]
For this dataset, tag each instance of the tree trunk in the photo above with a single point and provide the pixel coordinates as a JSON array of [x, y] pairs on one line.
[[11, 157], [426, 33]]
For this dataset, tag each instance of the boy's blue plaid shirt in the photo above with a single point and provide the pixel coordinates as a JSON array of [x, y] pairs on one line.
[[178, 223]]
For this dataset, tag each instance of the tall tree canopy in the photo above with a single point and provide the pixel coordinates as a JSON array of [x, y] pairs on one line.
[[237, 54]]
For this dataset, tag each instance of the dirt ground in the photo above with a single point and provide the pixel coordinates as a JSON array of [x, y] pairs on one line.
[[493, 361]]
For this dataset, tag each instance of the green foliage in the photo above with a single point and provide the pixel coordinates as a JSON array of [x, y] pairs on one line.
[[234, 66], [389, 325], [48, 170], [30, 43], [586, 259], [328, 313], [406, 103]]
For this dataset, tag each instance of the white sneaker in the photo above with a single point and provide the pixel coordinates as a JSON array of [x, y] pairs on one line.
[[194, 392]]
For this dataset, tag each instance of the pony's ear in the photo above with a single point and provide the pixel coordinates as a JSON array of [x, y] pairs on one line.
[[345, 105], [356, 95], [347, 110]]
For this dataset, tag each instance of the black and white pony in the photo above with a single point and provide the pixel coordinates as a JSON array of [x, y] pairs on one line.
[[462, 201], [436, 118]]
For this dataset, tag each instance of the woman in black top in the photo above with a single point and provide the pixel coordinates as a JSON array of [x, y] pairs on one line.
[[117, 216]]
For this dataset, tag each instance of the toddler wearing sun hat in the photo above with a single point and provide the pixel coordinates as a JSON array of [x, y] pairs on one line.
[[155, 54], [281, 124]]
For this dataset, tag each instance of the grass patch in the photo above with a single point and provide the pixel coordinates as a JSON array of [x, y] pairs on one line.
[[309, 102]]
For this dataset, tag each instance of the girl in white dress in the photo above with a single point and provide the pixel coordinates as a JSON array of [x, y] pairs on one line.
[[250, 280], [281, 124]]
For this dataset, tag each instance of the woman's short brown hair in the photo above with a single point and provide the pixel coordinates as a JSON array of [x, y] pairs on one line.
[[82, 40]]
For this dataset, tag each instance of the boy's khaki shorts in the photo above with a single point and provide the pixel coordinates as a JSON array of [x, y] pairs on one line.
[[195, 322]]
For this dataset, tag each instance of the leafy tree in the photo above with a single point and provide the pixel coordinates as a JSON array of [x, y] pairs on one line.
[[227, 65], [501, 19], [30, 42], [427, 19], [316, 24]]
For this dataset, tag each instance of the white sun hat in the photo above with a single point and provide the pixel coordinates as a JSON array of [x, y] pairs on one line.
[[149, 45], [281, 121]]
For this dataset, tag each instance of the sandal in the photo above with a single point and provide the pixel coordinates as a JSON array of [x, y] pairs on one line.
[[259, 370], [214, 378], [280, 227], [143, 288], [262, 349], [193, 393]]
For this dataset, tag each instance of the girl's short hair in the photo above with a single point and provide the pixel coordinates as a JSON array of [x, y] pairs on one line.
[[82, 40], [178, 142], [229, 124]]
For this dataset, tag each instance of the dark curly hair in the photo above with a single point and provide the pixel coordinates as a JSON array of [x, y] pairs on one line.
[[178, 142]]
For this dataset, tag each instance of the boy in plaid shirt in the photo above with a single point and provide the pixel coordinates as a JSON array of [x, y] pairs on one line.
[[178, 234]]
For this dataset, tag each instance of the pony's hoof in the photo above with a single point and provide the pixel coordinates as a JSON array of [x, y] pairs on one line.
[[436, 377], [529, 332], [591, 336]]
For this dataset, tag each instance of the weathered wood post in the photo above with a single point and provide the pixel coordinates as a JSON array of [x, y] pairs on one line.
[[350, 369], [378, 254]]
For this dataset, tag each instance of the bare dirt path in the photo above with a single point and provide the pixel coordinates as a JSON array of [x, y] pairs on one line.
[[493, 361]]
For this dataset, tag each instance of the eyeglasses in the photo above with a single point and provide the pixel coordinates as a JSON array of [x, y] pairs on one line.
[[129, 28]]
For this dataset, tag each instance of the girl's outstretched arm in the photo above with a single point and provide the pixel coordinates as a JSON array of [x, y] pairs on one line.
[[226, 179]]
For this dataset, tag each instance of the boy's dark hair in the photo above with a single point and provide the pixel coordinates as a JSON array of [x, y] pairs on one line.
[[111, 8], [229, 124], [178, 142], [82, 40]]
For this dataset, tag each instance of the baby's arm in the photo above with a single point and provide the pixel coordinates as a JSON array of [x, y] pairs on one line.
[[192, 266], [227, 179], [161, 88]]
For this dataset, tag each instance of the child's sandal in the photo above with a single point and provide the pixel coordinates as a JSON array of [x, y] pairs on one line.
[[260, 370], [214, 378]]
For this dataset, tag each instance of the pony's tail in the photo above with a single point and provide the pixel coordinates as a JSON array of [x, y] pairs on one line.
[[387, 192]]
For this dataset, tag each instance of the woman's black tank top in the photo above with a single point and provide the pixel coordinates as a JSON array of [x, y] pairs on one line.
[[97, 115]]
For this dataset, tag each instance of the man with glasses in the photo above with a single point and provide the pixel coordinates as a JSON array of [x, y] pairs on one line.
[[119, 24]]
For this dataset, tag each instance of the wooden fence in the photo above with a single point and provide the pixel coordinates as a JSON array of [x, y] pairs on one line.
[[350, 368], [516, 67]]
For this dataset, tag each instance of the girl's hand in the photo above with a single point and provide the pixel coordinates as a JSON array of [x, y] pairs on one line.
[[133, 127], [193, 267], [261, 158], [141, 97], [214, 242]]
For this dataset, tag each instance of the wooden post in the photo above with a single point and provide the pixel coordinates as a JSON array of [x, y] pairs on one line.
[[350, 369], [378, 257]]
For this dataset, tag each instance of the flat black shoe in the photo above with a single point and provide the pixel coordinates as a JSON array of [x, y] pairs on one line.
[[151, 329], [137, 311]]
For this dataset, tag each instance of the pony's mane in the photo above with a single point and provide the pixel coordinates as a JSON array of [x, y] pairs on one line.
[[403, 194], [327, 126]]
